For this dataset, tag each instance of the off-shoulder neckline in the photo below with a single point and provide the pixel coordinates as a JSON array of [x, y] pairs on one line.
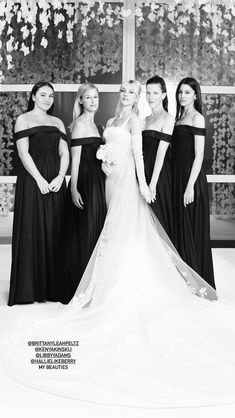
[[37, 127], [86, 137], [87, 140], [190, 126], [158, 132]]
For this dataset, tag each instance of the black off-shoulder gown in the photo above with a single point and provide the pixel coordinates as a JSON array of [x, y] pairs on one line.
[[162, 206], [191, 223], [38, 220], [83, 226]]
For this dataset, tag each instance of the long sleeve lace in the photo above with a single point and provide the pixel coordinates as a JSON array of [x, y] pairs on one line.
[[139, 163]]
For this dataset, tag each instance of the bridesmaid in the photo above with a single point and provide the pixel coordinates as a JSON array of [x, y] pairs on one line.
[[156, 139], [190, 191], [86, 207], [39, 201]]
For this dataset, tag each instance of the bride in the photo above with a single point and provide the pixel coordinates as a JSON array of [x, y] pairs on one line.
[[150, 331]]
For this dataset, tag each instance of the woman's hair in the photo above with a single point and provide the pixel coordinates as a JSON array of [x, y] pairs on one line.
[[34, 90], [159, 80], [197, 90], [78, 107], [137, 87]]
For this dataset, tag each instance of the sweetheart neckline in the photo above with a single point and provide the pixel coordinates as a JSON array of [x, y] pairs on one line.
[[119, 127]]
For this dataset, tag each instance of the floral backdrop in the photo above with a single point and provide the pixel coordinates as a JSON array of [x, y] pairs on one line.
[[220, 111], [11, 105], [6, 198], [175, 41], [62, 45]]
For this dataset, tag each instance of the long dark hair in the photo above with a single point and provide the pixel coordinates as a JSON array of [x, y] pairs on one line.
[[34, 90], [190, 81], [159, 80]]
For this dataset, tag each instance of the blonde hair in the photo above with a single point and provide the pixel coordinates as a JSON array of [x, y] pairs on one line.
[[78, 107], [137, 87]]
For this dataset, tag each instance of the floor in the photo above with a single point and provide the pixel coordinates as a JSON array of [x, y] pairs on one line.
[[19, 401]]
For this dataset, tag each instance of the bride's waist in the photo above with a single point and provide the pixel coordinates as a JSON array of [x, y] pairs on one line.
[[124, 168], [125, 156], [125, 163]]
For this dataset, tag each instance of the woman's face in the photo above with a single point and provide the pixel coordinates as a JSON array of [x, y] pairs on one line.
[[128, 95], [154, 95], [44, 98], [90, 100], [186, 95]]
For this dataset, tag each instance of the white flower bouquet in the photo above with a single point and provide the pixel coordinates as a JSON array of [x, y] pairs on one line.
[[107, 154]]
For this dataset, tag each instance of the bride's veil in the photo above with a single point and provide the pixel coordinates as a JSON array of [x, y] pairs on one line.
[[193, 280]]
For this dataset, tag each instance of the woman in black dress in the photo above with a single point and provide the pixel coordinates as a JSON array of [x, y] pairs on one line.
[[190, 191], [39, 201], [156, 139], [86, 206]]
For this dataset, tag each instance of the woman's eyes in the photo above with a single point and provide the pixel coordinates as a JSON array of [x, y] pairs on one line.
[[44, 95], [128, 92]]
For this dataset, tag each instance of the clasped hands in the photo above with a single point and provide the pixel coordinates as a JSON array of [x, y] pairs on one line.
[[148, 192], [106, 168], [53, 186]]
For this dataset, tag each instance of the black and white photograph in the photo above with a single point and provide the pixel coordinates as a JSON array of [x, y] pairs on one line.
[[117, 208]]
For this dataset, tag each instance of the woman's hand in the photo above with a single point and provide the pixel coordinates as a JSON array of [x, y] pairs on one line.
[[106, 168], [77, 199], [56, 183], [188, 195], [152, 188], [145, 192], [43, 185]]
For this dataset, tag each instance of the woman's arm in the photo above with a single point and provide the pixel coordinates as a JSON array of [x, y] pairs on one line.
[[199, 144], [136, 138], [160, 156], [79, 131], [106, 168], [56, 183], [26, 159]]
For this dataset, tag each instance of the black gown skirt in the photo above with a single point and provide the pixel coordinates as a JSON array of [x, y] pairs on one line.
[[37, 225], [162, 206], [83, 226], [191, 223]]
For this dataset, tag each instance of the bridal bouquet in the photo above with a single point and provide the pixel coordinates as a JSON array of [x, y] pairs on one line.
[[107, 154]]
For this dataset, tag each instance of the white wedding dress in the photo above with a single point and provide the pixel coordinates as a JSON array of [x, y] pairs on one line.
[[146, 338]]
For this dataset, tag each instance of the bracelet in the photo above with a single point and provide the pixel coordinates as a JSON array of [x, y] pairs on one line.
[[61, 175]]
